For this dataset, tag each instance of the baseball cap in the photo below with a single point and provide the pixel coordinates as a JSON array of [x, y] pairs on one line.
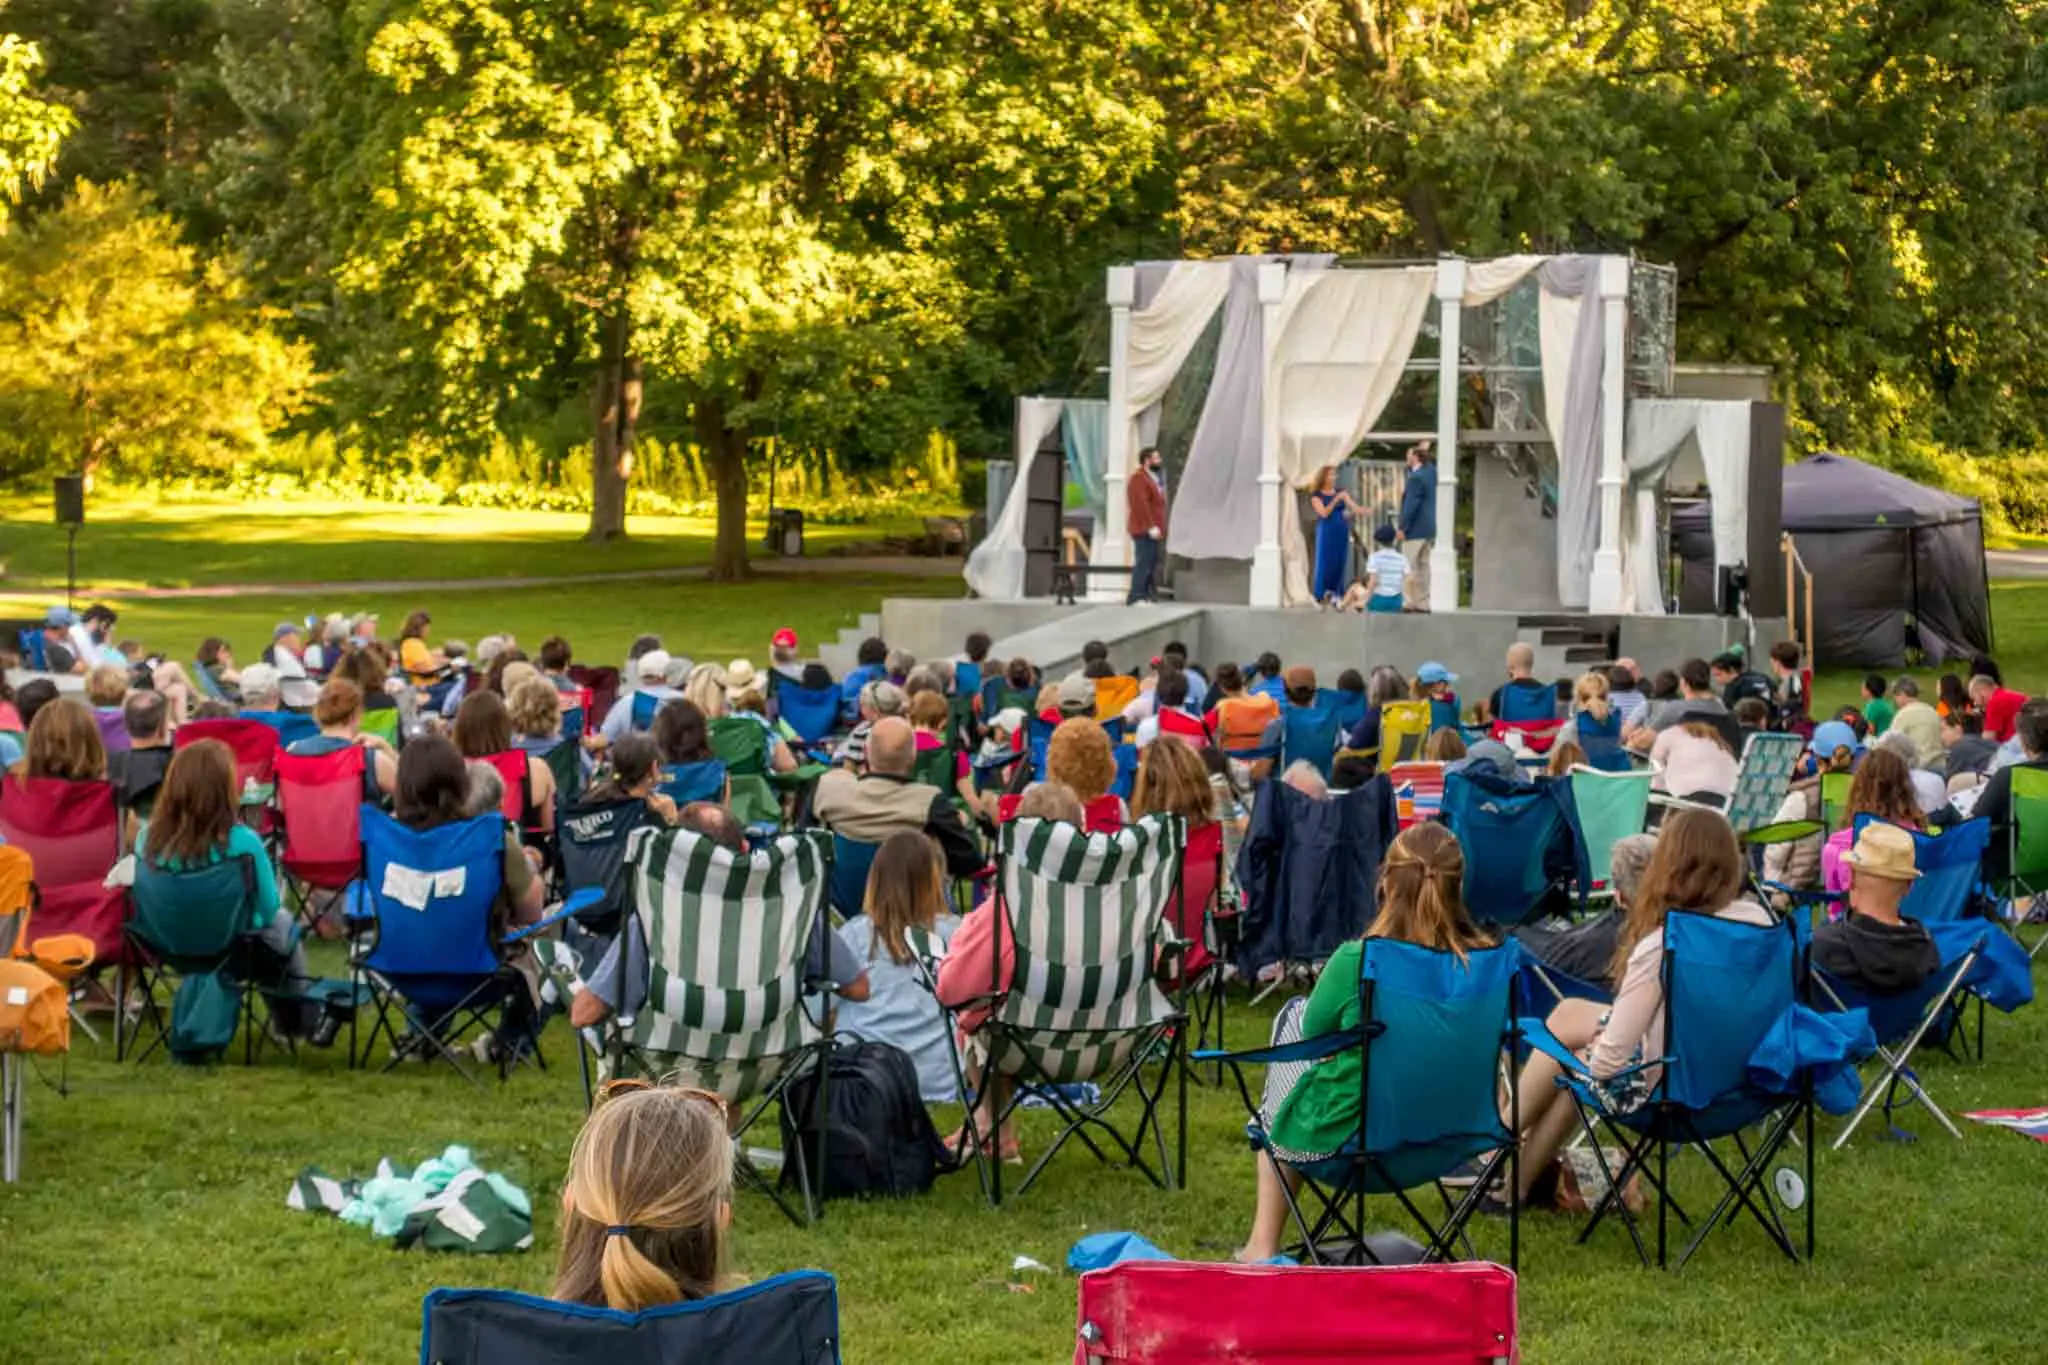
[[653, 664], [1383, 534], [1831, 735], [1077, 694], [62, 618], [1434, 672], [1884, 850], [784, 639], [285, 628], [1300, 678]]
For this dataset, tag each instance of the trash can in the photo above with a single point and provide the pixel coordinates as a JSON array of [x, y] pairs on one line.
[[786, 532]]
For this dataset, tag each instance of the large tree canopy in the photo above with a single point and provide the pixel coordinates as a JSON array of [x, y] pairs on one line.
[[31, 129]]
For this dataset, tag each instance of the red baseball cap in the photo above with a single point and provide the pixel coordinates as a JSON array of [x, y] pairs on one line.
[[784, 639]]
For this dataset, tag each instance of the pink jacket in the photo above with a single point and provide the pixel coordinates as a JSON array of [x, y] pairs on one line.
[[964, 972]]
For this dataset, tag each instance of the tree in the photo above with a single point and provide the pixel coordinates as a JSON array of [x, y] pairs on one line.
[[31, 129], [773, 202], [121, 354]]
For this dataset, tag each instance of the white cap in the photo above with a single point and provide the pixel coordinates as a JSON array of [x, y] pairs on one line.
[[259, 680], [653, 665]]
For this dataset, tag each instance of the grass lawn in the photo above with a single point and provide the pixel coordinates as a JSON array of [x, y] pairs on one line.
[[142, 541], [151, 1225], [2019, 620]]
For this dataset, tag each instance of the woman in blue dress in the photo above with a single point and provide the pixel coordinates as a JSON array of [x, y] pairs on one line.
[[1333, 507]]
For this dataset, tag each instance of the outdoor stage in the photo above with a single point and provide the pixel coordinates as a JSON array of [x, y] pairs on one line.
[[1472, 644]]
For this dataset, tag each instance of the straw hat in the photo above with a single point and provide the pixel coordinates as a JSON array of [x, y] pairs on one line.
[[1885, 851]]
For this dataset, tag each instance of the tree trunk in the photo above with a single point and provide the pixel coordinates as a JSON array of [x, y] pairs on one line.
[[615, 397], [615, 400], [725, 447]]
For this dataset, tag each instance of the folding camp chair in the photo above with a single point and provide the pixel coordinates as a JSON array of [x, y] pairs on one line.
[[1515, 830], [851, 859], [1727, 986], [1433, 1028], [189, 924], [728, 937], [1899, 1023], [787, 1319], [1309, 735], [2026, 851], [289, 726], [385, 723], [1602, 744], [71, 832], [1764, 776], [1834, 799], [1112, 695], [1084, 911], [741, 742], [429, 959], [1291, 1315], [320, 799], [603, 686], [683, 783], [256, 747], [1103, 815], [1037, 738], [1348, 707], [1200, 922], [644, 706], [1606, 807], [1536, 735], [1418, 790], [1404, 727]]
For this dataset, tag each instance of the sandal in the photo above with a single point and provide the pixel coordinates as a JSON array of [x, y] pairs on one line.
[[956, 1146]]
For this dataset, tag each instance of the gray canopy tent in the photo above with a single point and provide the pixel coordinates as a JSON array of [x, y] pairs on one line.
[[1895, 564]]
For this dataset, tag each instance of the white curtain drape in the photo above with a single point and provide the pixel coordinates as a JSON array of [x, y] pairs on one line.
[[1486, 281], [1657, 431], [1344, 338], [1723, 436], [1167, 328], [995, 569], [1574, 348]]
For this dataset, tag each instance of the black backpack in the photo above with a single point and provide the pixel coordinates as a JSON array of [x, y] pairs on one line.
[[879, 1139]]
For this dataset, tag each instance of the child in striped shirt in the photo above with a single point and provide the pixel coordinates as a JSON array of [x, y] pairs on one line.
[[1386, 573]]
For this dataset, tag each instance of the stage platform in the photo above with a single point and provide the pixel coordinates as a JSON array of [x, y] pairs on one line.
[[1472, 644]]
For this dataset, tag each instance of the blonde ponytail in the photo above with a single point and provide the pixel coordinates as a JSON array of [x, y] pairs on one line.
[[1421, 893], [631, 1281]]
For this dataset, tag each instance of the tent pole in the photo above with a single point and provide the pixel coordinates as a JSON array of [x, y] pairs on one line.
[[1785, 548], [1984, 577]]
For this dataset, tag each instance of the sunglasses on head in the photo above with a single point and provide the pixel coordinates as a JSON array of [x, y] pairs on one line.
[[627, 1085]]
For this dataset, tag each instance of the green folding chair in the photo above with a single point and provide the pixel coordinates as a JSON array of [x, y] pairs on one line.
[[2026, 836], [1609, 807], [1834, 799], [383, 723], [741, 743]]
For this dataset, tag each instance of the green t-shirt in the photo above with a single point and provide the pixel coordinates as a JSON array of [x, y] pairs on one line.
[[1879, 712], [1320, 1114]]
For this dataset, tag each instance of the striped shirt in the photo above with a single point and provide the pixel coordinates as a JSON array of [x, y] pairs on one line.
[[1385, 571]]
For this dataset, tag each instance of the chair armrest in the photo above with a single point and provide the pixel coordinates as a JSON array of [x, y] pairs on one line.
[[578, 902], [1303, 1050], [1537, 1034]]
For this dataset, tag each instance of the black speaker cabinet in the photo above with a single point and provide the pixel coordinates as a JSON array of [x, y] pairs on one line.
[[69, 491], [1045, 499]]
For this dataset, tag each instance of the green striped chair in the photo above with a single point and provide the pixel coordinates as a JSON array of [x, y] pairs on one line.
[[727, 937], [741, 743], [1085, 912]]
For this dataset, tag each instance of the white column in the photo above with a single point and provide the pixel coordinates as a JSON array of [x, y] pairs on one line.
[[1113, 538], [1266, 572], [1604, 592], [1443, 549]]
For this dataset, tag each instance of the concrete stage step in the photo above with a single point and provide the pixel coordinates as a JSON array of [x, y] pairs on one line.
[[1133, 634]]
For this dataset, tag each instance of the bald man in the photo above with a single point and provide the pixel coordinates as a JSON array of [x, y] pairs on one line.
[[1522, 697], [883, 800]]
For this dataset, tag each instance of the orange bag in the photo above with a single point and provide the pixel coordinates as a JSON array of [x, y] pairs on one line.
[[17, 892], [33, 1011]]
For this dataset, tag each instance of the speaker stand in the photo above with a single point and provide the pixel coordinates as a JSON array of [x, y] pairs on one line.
[[70, 567]]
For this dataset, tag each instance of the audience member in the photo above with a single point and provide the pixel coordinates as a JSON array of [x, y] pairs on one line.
[[1693, 761], [64, 743], [339, 713], [1522, 697], [1916, 720], [137, 771], [1968, 752], [1698, 867], [1585, 951], [1081, 756], [906, 891], [1874, 950], [1444, 745], [1998, 704], [876, 700], [1930, 790], [1994, 800], [1881, 789], [884, 801], [1624, 691], [1877, 704], [1312, 1113], [1788, 685], [648, 1200], [632, 772], [649, 672], [1735, 680], [483, 730], [1796, 862]]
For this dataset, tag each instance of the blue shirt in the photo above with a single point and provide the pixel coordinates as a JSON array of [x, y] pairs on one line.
[[1418, 503]]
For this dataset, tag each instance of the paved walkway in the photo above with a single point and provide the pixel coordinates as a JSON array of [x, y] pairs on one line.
[[2018, 563], [909, 566]]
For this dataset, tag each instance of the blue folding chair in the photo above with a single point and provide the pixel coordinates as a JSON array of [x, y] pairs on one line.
[[1037, 736], [683, 783], [291, 726], [1125, 783], [645, 706], [1348, 707], [1276, 688], [809, 713], [1308, 733], [1728, 987], [1525, 704], [787, 1319], [1443, 714], [966, 678], [1520, 834], [431, 961], [1602, 743], [1432, 1029], [851, 860]]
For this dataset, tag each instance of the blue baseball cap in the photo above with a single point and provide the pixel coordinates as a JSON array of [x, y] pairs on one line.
[[1832, 735], [60, 618], [1434, 672]]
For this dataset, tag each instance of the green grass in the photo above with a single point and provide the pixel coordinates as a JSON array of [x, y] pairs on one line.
[[151, 1226], [143, 541], [599, 620]]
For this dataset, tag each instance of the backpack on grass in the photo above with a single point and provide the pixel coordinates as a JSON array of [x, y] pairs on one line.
[[879, 1139]]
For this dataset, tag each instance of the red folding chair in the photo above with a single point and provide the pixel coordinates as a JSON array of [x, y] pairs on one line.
[[71, 832], [1539, 735], [1103, 815], [1460, 1314], [603, 685], [256, 748], [517, 775], [320, 799]]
